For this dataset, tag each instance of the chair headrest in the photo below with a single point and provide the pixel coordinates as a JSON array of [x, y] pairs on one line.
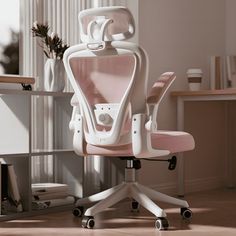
[[106, 24]]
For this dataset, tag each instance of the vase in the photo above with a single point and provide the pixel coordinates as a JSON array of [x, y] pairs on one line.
[[54, 75]]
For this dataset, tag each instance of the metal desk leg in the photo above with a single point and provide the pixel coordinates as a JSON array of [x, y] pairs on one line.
[[229, 143], [180, 163]]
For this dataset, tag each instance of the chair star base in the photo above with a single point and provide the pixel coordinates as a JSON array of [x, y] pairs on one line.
[[131, 189]]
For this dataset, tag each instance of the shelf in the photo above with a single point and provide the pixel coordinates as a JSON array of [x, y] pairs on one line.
[[16, 79], [29, 119], [50, 152], [36, 153], [36, 93], [4, 155]]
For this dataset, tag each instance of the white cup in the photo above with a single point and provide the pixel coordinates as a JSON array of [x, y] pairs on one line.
[[194, 79]]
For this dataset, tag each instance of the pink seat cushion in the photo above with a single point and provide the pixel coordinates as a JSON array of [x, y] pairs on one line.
[[125, 150], [174, 141]]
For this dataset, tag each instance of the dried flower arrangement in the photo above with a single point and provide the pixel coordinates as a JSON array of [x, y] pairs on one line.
[[52, 45]]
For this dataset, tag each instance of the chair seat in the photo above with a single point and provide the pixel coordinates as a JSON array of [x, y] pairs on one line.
[[174, 141]]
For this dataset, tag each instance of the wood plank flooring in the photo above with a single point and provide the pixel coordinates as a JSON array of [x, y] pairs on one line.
[[214, 214]]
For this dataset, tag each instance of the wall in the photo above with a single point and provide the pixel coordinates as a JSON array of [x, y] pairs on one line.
[[230, 31], [180, 34]]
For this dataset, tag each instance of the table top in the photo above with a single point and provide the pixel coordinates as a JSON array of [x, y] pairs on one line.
[[16, 79], [220, 92]]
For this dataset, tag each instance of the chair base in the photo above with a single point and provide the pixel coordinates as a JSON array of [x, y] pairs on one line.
[[131, 189]]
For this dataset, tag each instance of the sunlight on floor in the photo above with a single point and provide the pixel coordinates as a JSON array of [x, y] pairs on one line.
[[25, 221]]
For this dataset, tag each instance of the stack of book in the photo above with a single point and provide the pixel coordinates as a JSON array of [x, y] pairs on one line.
[[10, 199], [45, 195]]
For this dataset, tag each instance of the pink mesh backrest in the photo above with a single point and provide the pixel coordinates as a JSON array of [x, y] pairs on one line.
[[103, 79], [109, 77]]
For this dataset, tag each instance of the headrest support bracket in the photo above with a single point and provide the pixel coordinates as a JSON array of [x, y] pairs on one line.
[[103, 25]]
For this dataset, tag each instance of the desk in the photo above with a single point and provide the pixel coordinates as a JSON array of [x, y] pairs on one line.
[[203, 95]]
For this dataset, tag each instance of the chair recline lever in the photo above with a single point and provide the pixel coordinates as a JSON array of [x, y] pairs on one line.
[[172, 162]]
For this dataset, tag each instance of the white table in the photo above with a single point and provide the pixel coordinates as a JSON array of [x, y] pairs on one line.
[[203, 95]]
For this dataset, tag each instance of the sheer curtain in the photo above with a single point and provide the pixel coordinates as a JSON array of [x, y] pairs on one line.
[[62, 17]]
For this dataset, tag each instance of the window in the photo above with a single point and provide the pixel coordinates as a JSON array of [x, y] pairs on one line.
[[9, 40]]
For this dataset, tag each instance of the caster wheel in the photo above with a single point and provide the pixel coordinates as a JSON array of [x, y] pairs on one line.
[[88, 222], [78, 211], [186, 213], [162, 223], [135, 206]]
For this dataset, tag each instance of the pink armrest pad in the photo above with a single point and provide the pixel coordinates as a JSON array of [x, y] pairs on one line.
[[174, 141], [160, 86]]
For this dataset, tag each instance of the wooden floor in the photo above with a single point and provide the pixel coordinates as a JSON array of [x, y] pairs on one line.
[[214, 214]]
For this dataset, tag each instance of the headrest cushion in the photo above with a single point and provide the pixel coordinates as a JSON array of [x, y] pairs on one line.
[[122, 26]]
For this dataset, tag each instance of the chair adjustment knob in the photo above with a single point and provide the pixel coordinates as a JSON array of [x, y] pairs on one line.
[[105, 118]]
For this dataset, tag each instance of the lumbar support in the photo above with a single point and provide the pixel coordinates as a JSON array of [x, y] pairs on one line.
[[105, 113]]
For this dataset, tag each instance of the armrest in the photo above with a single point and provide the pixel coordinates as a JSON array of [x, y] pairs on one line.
[[155, 96], [160, 87], [141, 139], [76, 125], [76, 111]]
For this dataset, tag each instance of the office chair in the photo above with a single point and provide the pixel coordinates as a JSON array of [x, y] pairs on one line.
[[114, 115]]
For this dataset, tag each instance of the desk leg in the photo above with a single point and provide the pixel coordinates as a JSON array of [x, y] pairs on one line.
[[180, 165], [229, 147]]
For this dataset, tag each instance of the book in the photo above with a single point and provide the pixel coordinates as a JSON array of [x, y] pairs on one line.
[[14, 189], [216, 73], [4, 182], [9, 189], [44, 204], [4, 185], [43, 188], [8, 207], [230, 71], [49, 196]]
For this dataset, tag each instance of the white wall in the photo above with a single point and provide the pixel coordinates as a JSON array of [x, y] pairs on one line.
[[230, 31], [180, 34]]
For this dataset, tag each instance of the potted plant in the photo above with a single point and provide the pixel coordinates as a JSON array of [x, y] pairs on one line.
[[53, 48]]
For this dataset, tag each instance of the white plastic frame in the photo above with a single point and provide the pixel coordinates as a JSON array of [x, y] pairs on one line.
[[84, 118], [111, 137], [151, 125]]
